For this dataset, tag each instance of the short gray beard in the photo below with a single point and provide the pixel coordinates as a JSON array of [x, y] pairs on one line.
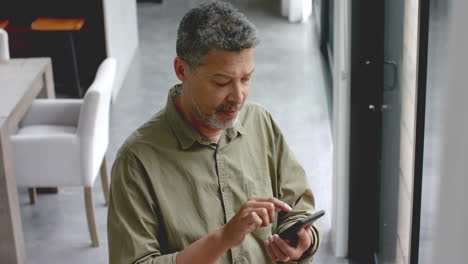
[[212, 120]]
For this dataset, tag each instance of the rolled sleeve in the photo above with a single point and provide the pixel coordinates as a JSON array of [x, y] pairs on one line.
[[157, 259], [133, 228], [295, 191]]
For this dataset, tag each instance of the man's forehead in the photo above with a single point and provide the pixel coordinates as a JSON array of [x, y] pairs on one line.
[[227, 63], [227, 56], [230, 75]]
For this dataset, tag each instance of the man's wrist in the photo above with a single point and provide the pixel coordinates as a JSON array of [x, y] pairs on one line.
[[221, 239], [205, 250]]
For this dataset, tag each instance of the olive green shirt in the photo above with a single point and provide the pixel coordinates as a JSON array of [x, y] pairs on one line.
[[171, 186]]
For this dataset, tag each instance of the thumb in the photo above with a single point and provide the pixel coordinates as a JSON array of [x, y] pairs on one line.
[[302, 238], [302, 232]]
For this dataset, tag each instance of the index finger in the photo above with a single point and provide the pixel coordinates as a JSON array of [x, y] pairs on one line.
[[279, 205]]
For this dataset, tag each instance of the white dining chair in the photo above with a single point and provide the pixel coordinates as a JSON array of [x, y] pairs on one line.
[[4, 48], [63, 142]]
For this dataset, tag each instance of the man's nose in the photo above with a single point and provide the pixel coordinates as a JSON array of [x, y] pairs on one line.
[[237, 93]]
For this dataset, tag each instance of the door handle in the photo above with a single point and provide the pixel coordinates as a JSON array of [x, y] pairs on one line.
[[382, 107], [394, 67]]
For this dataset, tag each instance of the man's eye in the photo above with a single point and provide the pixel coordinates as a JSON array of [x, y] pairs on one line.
[[222, 84]]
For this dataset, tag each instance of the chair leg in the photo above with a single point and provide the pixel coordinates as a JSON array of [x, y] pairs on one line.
[[32, 195], [105, 180], [76, 75], [88, 193]]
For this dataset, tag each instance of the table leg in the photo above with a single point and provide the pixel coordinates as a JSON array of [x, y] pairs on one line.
[[49, 82], [48, 91], [11, 231]]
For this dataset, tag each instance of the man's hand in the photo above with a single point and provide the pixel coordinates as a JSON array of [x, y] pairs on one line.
[[255, 213], [281, 250]]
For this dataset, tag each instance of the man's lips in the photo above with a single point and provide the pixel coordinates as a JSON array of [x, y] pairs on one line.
[[230, 112]]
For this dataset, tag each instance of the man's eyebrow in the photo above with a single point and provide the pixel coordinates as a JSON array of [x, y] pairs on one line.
[[229, 76], [222, 75]]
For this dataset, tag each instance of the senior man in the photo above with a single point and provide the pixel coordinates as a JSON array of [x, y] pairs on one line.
[[210, 178]]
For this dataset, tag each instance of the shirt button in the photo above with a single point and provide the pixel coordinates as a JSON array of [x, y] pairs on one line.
[[242, 260], [225, 188]]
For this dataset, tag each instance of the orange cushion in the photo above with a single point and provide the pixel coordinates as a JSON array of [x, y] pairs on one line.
[[57, 24], [4, 23]]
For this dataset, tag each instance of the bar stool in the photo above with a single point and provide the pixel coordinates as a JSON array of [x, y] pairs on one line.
[[4, 23], [68, 26], [4, 46]]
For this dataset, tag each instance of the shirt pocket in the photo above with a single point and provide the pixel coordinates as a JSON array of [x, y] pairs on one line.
[[259, 185]]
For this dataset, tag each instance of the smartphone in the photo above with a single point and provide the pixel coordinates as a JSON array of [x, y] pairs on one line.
[[291, 232]]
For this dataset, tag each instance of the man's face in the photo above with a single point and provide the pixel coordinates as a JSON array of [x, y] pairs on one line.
[[217, 89]]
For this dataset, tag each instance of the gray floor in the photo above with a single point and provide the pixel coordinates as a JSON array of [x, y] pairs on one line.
[[288, 81]]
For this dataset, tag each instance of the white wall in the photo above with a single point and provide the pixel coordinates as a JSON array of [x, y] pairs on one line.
[[120, 19], [451, 231], [296, 10], [341, 119], [408, 85]]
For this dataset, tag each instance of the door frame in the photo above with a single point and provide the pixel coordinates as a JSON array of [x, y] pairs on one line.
[[424, 13], [367, 50]]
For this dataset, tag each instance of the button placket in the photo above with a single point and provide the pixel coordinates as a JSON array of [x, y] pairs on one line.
[[225, 188]]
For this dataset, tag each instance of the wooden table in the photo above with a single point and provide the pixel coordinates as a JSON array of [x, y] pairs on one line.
[[21, 81]]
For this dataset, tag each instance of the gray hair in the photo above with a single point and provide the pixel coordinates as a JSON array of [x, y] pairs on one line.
[[213, 25]]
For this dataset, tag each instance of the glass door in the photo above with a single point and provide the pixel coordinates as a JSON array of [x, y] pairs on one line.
[[398, 143], [391, 119]]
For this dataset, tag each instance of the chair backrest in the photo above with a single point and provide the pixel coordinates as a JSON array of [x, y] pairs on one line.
[[93, 124], [4, 47]]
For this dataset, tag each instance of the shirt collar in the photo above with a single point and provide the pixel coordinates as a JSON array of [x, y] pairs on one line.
[[186, 134]]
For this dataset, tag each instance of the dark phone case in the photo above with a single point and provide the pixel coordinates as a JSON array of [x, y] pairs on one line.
[[291, 233]]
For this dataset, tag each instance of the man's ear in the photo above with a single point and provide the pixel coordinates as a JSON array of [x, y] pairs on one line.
[[181, 68]]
